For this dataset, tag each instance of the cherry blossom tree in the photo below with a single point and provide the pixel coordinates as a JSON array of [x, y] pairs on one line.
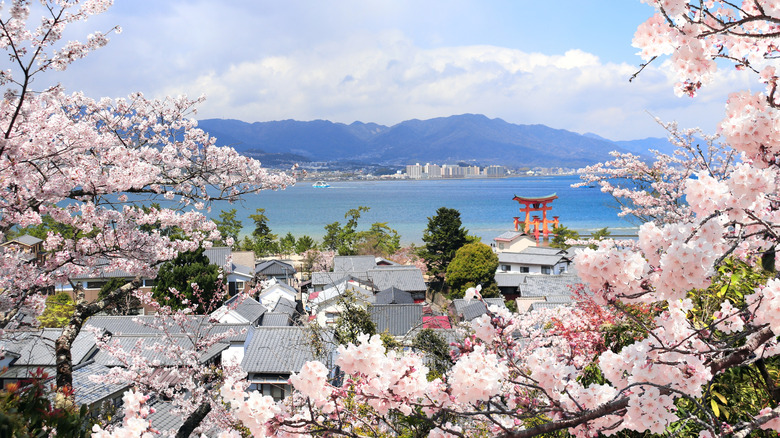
[[94, 168], [520, 376]]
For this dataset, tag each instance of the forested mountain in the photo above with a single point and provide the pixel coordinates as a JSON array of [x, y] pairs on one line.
[[462, 138]]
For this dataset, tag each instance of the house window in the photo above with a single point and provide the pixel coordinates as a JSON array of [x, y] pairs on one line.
[[330, 317], [96, 284], [524, 269], [547, 270], [500, 246], [148, 282], [239, 286], [506, 268], [275, 391]]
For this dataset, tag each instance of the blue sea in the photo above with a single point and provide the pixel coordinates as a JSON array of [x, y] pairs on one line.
[[485, 205]]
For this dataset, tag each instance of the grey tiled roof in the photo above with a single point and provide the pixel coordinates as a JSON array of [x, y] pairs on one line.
[[158, 350], [27, 239], [544, 285], [241, 331], [88, 391], [129, 325], [168, 420], [278, 350], [524, 258], [248, 308], [219, 255], [283, 305], [37, 347], [274, 319], [406, 278], [509, 235], [509, 279], [544, 250], [284, 286], [328, 278], [274, 268], [474, 308], [398, 319], [324, 278], [354, 263], [545, 305], [163, 419], [558, 299], [363, 293], [25, 372], [393, 296]]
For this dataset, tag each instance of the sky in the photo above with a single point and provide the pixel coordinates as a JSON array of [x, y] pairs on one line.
[[565, 64]]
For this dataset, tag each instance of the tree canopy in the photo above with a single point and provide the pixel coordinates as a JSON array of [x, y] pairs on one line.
[[181, 273], [443, 236], [379, 240], [228, 226], [473, 264]]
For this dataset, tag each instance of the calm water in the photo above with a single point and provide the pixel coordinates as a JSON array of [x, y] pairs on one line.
[[486, 205]]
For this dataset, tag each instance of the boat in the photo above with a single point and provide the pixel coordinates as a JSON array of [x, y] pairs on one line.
[[320, 185]]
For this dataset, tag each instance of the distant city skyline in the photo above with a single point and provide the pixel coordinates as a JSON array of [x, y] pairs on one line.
[[387, 61]]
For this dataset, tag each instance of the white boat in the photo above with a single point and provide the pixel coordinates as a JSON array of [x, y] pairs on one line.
[[320, 185]]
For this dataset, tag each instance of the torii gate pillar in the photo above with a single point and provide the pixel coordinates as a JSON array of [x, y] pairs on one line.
[[532, 205]]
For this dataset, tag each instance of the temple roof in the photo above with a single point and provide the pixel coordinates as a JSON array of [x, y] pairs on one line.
[[537, 199]]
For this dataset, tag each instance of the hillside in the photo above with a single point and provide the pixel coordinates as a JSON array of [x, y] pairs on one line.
[[468, 137]]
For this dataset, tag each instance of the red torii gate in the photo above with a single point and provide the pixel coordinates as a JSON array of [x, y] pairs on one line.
[[536, 204]]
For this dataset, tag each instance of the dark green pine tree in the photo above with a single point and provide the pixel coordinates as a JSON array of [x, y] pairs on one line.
[[443, 236], [180, 273]]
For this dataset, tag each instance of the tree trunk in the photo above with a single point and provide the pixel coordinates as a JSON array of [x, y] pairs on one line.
[[194, 420]]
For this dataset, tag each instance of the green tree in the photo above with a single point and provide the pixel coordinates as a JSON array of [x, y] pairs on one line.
[[58, 311], [443, 236], [562, 234], [342, 238], [228, 225], [304, 243], [435, 349], [473, 264], [599, 235], [287, 244], [379, 240], [263, 242], [180, 273], [353, 321]]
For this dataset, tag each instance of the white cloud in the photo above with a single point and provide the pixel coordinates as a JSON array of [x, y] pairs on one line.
[[388, 79], [388, 61]]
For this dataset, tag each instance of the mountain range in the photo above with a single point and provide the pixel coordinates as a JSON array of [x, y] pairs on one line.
[[471, 138]]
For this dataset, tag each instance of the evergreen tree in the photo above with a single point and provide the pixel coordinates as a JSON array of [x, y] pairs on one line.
[[435, 348], [443, 236], [473, 264], [180, 273], [228, 225], [379, 240], [263, 242], [342, 238], [304, 243], [562, 234], [287, 244]]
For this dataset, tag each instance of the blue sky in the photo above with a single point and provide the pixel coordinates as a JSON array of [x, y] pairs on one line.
[[565, 64]]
